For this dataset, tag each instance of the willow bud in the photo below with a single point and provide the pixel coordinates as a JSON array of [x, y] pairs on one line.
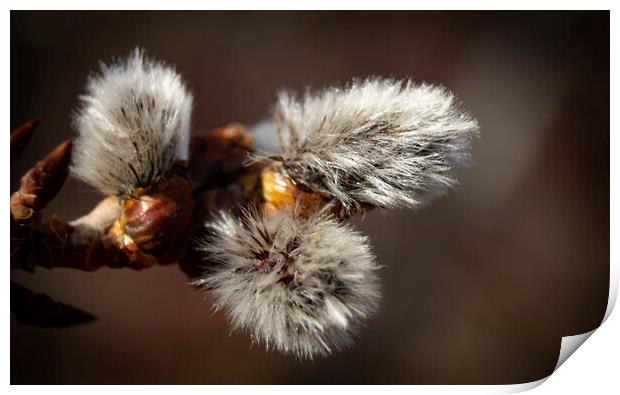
[[379, 142], [133, 138], [300, 285]]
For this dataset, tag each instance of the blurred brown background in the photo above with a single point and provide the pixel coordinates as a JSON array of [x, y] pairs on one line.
[[479, 287]]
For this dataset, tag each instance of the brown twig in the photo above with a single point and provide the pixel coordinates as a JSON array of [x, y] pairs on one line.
[[154, 226], [132, 233]]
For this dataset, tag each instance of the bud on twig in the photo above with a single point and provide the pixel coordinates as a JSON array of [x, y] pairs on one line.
[[133, 142], [380, 142], [299, 285], [133, 124], [21, 136], [37, 188]]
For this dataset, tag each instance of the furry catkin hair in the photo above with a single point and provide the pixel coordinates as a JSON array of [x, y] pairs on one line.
[[133, 123], [382, 142], [300, 286]]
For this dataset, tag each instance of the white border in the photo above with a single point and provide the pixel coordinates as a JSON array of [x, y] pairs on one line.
[[312, 5], [594, 369]]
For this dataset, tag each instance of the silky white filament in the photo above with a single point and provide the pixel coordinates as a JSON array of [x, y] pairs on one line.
[[300, 286], [133, 123], [382, 142]]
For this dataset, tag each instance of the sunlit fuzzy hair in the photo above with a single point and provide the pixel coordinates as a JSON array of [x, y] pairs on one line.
[[133, 123], [301, 286], [382, 142]]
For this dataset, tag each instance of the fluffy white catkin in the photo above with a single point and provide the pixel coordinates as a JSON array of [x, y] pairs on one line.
[[383, 142], [133, 122], [301, 286]]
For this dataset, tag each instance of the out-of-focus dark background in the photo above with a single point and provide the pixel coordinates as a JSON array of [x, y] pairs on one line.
[[479, 287]]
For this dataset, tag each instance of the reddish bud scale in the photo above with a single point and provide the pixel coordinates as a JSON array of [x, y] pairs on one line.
[[217, 156], [154, 224], [38, 187], [21, 136]]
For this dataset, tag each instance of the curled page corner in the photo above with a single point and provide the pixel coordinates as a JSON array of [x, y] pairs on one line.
[[569, 344], [516, 388], [572, 343]]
